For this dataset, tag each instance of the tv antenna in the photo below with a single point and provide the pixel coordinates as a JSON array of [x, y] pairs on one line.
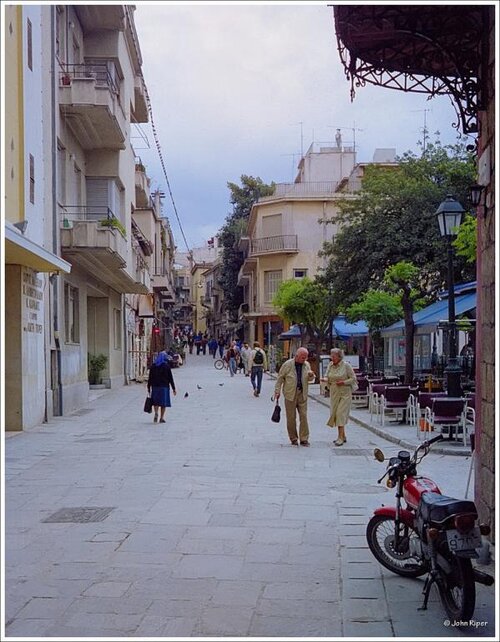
[[301, 123], [424, 131]]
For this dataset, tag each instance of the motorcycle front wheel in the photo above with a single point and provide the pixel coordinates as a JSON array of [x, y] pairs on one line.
[[380, 534], [457, 589]]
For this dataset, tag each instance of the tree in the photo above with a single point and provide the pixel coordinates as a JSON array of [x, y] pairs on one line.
[[309, 304], [402, 279], [393, 219], [466, 242], [378, 309], [242, 198]]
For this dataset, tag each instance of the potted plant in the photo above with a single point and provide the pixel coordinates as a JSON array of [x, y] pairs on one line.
[[115, 224], [66, 79], [96, 364]]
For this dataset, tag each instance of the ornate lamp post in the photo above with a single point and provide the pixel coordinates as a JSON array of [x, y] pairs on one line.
[[449, 215]]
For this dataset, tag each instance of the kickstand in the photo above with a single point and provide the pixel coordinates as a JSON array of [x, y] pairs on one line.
[[429, 581]]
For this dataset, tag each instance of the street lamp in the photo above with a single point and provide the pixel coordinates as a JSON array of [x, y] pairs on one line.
[[449, 215]]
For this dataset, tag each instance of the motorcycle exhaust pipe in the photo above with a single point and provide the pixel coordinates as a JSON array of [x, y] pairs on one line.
[[483, 578]]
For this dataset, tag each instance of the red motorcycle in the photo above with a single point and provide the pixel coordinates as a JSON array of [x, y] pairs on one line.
[[433, 534]]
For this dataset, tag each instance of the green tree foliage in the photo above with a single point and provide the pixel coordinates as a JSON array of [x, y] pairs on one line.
[[309, 304], [242, 198], [378, 309], [466, 241], [393, 219], [403, 279]]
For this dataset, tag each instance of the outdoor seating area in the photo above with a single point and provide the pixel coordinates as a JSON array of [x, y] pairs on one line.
[[424, 407]]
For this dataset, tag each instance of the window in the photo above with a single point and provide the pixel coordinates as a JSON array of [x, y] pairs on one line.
[[72, 313], [299, 274], [29, 41], [117, 328], [272, 280], [271, 225], [32, 179]]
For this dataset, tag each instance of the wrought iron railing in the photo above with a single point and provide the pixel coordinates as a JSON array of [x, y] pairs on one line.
[[86, 213], [99, 72], [274, 244]]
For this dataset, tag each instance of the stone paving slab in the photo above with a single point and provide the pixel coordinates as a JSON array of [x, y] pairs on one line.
[[218, 527]]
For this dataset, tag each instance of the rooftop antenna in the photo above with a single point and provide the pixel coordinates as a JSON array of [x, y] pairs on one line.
[[353, 129], [294, 167], [424, 131], [301, 123]]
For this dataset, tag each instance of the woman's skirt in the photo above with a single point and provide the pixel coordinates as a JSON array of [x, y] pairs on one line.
[[161, 396], [340, 406]]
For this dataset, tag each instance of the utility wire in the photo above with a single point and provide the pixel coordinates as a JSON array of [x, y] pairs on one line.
[[158, 147]]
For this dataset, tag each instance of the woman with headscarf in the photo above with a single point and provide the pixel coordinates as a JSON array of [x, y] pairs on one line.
[[160, 381]]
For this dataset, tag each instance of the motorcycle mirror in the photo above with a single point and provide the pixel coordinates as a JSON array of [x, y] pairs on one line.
[[378, 454]]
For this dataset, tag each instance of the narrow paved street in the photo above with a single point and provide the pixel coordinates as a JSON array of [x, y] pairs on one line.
[[210, 525]]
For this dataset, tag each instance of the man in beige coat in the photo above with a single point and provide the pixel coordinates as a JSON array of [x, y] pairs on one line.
[[294, 378]]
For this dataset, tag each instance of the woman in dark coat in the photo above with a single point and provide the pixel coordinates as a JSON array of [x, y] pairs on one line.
[[160, 381]]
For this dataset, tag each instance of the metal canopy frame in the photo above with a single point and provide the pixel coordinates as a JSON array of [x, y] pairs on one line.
[[434, 50]]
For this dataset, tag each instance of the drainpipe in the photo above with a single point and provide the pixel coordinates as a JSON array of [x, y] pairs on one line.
[[55, 247], [126, 373]]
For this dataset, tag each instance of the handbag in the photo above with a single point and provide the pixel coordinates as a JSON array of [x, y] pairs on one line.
[[148, 405], [276, 416]]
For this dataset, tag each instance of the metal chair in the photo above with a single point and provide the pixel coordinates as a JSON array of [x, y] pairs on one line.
[[395, 399], [375, 392], [423, 400], [361, 394], [447, 412]]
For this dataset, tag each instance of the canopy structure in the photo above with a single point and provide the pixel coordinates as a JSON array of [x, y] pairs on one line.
[[435, 49], [427, 319], [343, 330], [292, 333]]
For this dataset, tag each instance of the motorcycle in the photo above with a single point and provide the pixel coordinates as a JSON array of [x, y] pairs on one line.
[[433, 534]]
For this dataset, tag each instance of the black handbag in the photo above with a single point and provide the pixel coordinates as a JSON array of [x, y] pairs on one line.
[[148, 405], [276, 416]]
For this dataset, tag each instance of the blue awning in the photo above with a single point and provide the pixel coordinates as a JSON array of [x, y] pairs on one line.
[[292, 333], [343, 330], [428, 318]]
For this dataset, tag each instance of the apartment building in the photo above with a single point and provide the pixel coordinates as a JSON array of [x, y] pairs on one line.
[[32, 259], [79, 209], [285, 232]]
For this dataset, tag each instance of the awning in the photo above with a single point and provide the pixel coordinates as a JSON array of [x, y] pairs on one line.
[[428, 318], [343, 330], [20, 250], [292, 333]]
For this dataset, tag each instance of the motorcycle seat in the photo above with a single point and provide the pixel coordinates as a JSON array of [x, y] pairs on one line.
[[438, 508]]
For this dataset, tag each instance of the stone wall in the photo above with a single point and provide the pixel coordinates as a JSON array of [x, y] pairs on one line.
[[485, 376]]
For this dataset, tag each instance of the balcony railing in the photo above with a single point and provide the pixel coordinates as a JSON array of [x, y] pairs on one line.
[[99, 72], [269, 244], [297, 190], [96, 213]]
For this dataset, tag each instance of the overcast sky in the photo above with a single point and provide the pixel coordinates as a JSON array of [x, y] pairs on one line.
[[230, 85]]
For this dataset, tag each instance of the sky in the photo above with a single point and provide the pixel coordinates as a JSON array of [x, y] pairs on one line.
[[242, 88]]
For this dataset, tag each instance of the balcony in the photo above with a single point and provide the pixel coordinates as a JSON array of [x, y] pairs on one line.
[[318, 189], [142, 275], [161, 283], [140, 112], [94, 240], [142, 193], [100, 16], [246, 270], [274, 245], [89, 101]]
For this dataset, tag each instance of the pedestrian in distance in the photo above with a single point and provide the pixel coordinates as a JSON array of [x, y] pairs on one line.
[[342, 382], [233, 355], [212, 347], [258, 365], [294, 378], [221, 343], [160, 381], [246, 353]]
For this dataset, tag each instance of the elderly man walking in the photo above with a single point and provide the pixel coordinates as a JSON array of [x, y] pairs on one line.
[[294, 378]]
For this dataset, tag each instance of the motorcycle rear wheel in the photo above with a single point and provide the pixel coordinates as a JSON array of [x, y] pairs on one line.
[[457, 590], [380, 537]]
